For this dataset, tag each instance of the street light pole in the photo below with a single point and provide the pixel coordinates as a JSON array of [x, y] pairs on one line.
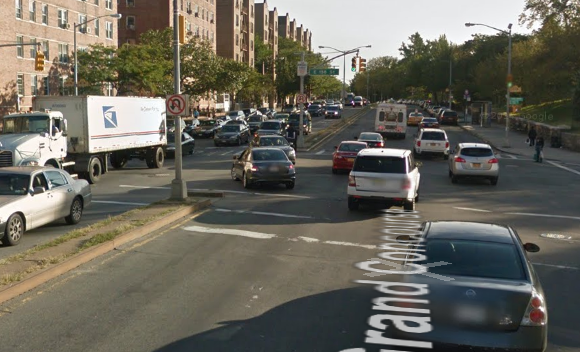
[[300, 138], [450, 82], [75, 26]]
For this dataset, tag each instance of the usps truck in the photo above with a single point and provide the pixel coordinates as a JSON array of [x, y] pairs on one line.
[[391, 120], [82, 134]]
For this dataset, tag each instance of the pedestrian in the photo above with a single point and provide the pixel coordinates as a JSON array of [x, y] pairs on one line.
[[532, 136], [195, 114], [539, 156], [291, 135]]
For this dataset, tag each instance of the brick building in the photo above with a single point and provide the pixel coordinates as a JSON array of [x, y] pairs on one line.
[[236, 30], [49, 23]]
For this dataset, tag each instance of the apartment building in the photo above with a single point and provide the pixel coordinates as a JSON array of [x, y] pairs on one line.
[[139, 16], [284, 26], [267, 30], [236, 30], [307, 40], [48, 25]]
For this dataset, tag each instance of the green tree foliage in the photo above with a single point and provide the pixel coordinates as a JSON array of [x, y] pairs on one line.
[[564, 12], [96, 67]]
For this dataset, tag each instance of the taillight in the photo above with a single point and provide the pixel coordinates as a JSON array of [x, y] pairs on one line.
[[406, 184], [459, 159], [418, 143], [492, 161], [446, 144], [351, 181], [380, 144], [536, 312], [291, 167], [255, 168]]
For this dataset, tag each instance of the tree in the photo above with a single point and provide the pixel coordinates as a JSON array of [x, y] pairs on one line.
[[96, 67], [576, 102], [564, 12]]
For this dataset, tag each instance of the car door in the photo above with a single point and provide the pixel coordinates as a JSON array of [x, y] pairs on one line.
[[41, 205], [414, 173], [239, 164], [62, 193], [245, 134]]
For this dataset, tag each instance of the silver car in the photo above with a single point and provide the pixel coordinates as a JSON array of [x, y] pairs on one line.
[[33, 196], [473, 160]]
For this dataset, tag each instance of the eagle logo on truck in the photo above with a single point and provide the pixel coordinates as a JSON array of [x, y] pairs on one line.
[[110, 116]]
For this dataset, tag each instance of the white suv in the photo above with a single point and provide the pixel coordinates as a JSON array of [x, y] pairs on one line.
[[384, 175], [431, 141]]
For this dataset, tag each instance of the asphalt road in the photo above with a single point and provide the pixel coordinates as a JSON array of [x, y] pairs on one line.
[[273, 269]]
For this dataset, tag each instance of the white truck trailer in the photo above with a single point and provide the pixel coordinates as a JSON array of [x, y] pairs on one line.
[[82, 134]]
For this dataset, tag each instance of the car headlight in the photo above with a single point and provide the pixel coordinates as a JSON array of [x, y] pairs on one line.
[[292, 152], [29, 163], [233, 137]]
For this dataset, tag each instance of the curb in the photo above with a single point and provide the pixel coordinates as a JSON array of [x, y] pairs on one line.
[[473, 133], [206, 194], [345, 124], [86, 256]]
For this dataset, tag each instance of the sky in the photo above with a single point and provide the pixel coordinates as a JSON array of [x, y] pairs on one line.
[[386, 24]]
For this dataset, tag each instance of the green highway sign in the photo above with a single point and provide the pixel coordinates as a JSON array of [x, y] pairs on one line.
[[323, 71], [516, 101]]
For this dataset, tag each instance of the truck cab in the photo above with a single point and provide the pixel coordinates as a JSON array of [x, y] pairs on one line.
[[33, 138]]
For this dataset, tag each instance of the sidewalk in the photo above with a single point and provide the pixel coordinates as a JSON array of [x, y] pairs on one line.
[[495, 136]]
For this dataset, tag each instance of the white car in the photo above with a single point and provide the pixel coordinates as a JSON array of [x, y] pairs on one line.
[[474, 160], [431, 141], [387, 176]]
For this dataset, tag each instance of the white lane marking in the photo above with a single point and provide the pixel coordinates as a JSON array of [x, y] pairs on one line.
[[233, 232], [263, 213], [228, 152], [120, 203], [143, 187], [563, 167], [320, 152], [308, 239], [471, 209], [224, 191], [557, 266], [546, 215], [351, 244], [211, 147], [511, 156]]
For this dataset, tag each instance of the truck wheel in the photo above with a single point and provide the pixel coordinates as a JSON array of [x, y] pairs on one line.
[[118, 160], [155, 158], [95, 171]]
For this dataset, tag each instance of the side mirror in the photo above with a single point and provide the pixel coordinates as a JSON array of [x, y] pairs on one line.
[[531, 247], [335, 147], [418, 164], [292, 145], [43, 134], [39, 190], [356, 138]]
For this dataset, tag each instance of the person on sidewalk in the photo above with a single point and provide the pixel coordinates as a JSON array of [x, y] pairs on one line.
[[538, 157], [532, 136]]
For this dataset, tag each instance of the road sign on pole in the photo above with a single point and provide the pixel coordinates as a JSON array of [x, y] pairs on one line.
[[177, 104], [302, 68], [301, 99], [323, 71]]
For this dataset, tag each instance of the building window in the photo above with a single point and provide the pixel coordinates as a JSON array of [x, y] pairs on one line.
[[97, 2], [44, 14], [33, 48], [109, 30], [63, 53], [252, 44], [62, 18], [20, 84], [97, 27], [266, 21], [252, 62], [45, 50], [109, 4], [252, 11], [33, 85], [83, 23], [196, 10], [237, 20], [19, 47], [62, 83], [237, 57], [46, 85], [211, 36], [130, 22], [266, 36], [197, 31], [252, 28], [188, 26], [189, 7], [237, 40], [211, 18], [211, 2], [32, 11], [130, 3], [18, 4]]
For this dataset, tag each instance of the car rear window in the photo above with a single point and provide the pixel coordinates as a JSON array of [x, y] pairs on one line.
[[269, 155], [270, 125], [450, 114], [380, 164], [475, 258], [351, 147], [433, 136], [476, 152], [255, 118], [370, 137]]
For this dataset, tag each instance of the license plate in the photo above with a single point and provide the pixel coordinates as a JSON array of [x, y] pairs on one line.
[[350, 159], [378, 182], [478, 165], [434, 144], [273, 169], [469, 314]]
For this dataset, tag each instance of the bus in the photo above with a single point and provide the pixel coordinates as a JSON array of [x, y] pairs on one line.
[[391, 120], [348, 99]]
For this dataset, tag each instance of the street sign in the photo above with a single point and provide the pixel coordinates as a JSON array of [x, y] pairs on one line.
[[177, 104], [516, 101], [301, 98], [323, 71], [302, 68], [515, 89]]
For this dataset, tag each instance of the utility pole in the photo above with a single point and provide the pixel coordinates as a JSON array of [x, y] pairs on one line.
[[450, 81], [509, 76], [368, 80], [301, 72], [178, 186]]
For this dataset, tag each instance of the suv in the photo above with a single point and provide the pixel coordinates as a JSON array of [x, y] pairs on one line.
[[384, 175], [236, 115], [474, 160], [448, 116], [431, 141]]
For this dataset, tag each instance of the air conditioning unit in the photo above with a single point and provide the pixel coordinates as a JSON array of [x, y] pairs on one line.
[[211, 21], [88, 30], [189, 12], [131, 26], [66, 26], [197, 14]]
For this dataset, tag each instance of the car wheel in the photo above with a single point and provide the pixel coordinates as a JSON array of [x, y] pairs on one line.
[[454, 178], [450, 174], [234, 175], [352, 204], [246, 181], [417, 195], [191, 151], [14, 230], [290, 185], [493, 181], [216, 144], [76, 212], [95, 170], [409, 205], [334, 171]]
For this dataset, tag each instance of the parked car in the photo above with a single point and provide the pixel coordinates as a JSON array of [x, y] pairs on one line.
[[372, 139], [344, 155], [276, 141], [236, 115], [428, 122], [208, 128], [315, 110], [235, 134], [272, 127], [322, 103], [333, 112], [263, 165], [431, 141], [448, 117], [33, 196], [254, 122], [490, 297], [187, 144], [386, 176], [473, 160]]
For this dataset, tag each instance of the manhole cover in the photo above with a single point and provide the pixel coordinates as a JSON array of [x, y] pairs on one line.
[[556, 236]]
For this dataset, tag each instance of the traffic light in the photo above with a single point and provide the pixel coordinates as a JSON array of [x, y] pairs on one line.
[[509, 80], [362, 65], [181, 29], [354, 66], [39, 61]]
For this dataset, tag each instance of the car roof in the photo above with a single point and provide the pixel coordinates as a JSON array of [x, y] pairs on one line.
[[270, 136], [353, 142], [468, 230], [397, 153], [24, 170], [432, 130], [266, 148], [474, 145]]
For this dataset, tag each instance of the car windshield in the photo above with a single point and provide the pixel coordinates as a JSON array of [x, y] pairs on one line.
[[433, 136], [414, 114], [269, 155], [235, 122], [14, 184], [255, 118], [475, 258], [370, 137], [231, 128], [281, 116], [450, 113], [332, 108], [351, 147], [26, 124], [429, 120], [207, 123], [270, 126], [357, 98], [233, 114], [273, 141], [380, 164], [314, 106], [263, 110], [477, 152]]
